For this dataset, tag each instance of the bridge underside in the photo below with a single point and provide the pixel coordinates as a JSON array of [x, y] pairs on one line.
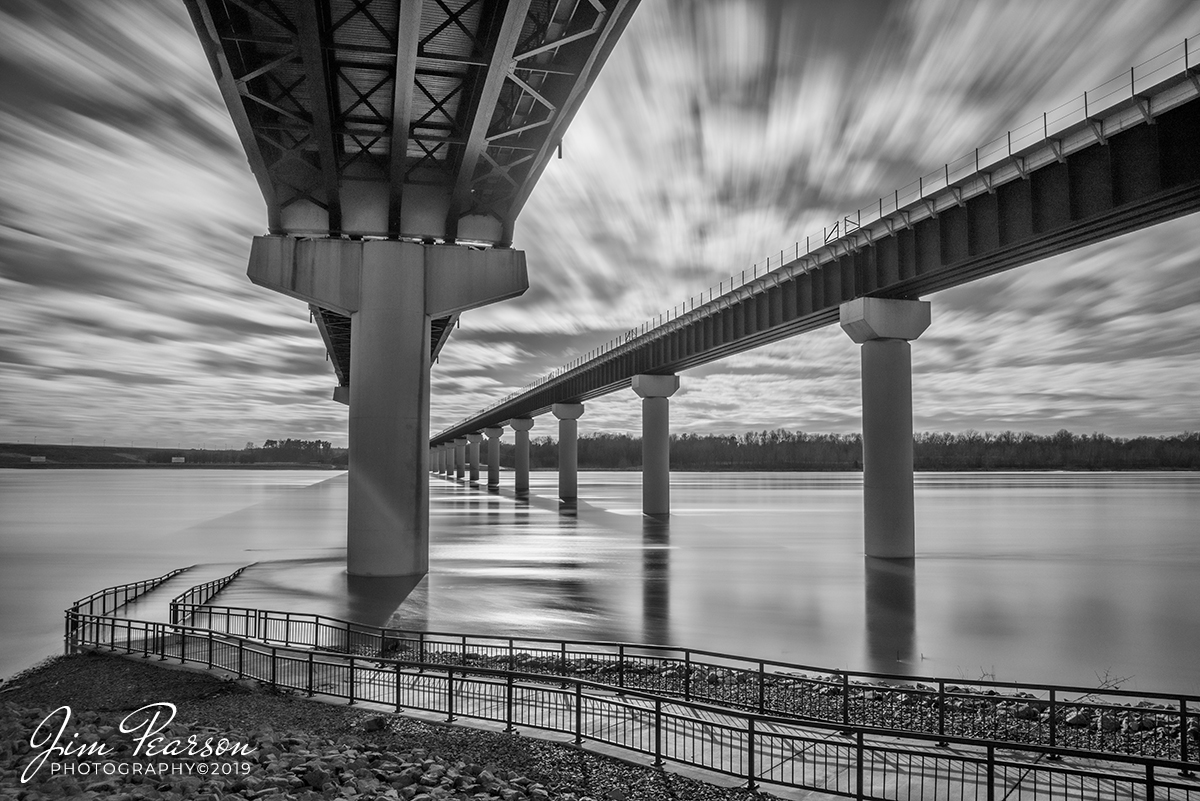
[[1146, 174]]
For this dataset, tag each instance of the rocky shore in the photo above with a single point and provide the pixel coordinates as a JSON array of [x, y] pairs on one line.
[[297, 748]]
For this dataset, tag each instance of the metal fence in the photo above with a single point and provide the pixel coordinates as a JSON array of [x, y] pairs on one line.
[[200, 594], [860, 761], [1106, 721], [110, 599]]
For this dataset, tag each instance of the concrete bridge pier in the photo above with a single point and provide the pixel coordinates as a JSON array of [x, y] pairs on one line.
[[473, 441], [568, 415], [493, 455], [884, 328], [443, 459], [390, 290], [520, 427], [460, 458], [654, 390]]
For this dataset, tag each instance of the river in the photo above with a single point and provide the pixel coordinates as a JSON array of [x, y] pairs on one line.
[[1082, 578]]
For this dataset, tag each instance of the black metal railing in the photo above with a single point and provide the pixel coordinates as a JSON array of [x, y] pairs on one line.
[[200, 594], [854, 760], [1107, 721], [110, 599]]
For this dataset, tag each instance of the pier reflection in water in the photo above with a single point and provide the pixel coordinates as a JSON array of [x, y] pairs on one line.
[[891, 613]]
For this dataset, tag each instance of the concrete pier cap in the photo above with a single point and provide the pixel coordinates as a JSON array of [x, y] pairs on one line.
[[655, 386], [390, 290], [494, 432], [567, 411], [864, 319]]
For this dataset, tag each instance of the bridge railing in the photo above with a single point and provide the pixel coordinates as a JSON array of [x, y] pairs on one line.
[[1080, 111], [1098, 720], [862, 761]]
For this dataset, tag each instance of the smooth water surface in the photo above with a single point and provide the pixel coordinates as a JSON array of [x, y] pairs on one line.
[[1052, 577], [67, 533]]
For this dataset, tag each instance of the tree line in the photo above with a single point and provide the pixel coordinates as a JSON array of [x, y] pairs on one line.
[[291, 451], [782, 449]]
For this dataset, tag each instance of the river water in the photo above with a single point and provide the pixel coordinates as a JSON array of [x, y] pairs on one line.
[[1043, 577]]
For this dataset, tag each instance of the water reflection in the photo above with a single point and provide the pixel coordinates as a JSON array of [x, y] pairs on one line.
[[656, 580], [1034, 577], [891, 619], [373, 599]]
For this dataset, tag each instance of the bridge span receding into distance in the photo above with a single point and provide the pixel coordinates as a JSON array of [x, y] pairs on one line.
[[1116, 161], [395, 142]]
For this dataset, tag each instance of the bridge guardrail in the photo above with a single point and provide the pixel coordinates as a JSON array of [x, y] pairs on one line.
[[1078, 112], [1098, 720], [857, 761]]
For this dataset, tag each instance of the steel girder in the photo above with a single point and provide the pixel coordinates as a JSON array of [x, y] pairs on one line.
[[421, 119], [424, 119]]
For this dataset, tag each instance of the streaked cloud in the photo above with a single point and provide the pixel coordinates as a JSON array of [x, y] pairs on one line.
[[719, 132]]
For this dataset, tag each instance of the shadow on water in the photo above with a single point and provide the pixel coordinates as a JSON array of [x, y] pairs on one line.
[[656, 580], [373, 599], [891, 624]]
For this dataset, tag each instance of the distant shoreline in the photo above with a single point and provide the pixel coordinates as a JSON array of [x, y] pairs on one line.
[[135, 466]]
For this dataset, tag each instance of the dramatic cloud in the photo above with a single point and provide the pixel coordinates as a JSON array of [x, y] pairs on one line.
[[719, 132]]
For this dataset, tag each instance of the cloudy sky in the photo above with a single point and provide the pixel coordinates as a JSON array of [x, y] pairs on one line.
[[720, 130]]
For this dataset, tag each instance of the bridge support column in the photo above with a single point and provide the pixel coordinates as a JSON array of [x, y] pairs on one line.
[[390, 290], [520, 427], [568, 415], [884, 328], [654, 390], [493, 455], [460, 458], [473, 441], [443, 461]]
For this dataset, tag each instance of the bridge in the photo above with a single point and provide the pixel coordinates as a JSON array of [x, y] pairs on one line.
[[395, 142], [1107, 163]]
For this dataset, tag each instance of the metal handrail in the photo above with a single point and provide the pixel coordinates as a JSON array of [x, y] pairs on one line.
[[201, 594], [1078, 112], [756, 747], [1010, 712], [121, 594]]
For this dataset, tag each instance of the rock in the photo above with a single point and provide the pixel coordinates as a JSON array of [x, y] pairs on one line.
[[1108, 723], [316, 777], [1026, 712], [375, 724], [1078, 718]]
